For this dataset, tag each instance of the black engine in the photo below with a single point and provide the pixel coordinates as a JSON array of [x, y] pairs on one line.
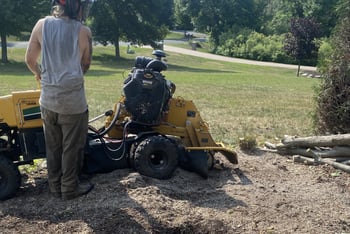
[[146, 90]]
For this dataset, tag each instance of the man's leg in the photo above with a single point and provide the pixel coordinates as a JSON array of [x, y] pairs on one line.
[[74, 129], [53, 140]]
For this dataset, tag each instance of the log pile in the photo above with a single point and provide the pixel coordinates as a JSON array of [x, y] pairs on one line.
[[332, 149]]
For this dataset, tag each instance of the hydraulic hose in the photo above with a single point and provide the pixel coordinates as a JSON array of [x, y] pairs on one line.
[[106, 130], [109, 150]]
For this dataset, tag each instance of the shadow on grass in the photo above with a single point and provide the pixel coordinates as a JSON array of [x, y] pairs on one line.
[[196, 69], [13, 67], [108, 61]]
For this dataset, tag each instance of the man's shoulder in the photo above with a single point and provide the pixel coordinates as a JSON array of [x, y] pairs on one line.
[[41, 21], [46, 18], [85, 30]]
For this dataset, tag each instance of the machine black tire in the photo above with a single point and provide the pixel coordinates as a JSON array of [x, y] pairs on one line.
[[132, 150], [10, 178], [156, 157], [210, 160]]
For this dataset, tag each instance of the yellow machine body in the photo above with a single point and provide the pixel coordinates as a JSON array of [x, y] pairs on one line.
[[183, 121], [21, 110], [149, 130]]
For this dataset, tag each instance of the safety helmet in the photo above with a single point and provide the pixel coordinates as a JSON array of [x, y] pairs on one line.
[[72, 8]]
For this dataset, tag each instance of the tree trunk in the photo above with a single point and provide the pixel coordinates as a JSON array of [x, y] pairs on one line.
[[116, 45], [330, 140], [338, 151], [117, 49], [3, 48], [298, 72]]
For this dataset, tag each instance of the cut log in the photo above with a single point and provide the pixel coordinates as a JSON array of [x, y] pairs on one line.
[[302, 159], [270, 145], [311, 161], [313, 141], [335, 152], [337, 165]]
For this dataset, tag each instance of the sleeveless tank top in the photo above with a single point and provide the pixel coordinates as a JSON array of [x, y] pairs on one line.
[[62, 79]]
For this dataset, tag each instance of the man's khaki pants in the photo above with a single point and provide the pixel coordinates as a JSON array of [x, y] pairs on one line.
[[65, 138]]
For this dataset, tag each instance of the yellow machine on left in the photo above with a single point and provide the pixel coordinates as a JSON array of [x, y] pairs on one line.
[[21, 137], [26, 113]]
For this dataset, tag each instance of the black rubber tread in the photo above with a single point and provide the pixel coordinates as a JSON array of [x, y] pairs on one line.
[[10, 178], [156, 157], [211, 160], [132, 150]]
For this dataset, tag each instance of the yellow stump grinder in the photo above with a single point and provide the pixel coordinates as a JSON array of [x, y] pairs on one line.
[[148, 130]]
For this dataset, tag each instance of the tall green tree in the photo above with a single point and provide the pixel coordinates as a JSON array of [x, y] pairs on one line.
[[277, 14], [17, 17], [129, 20], [182, 16], [325, 14], [219, 16], [166, 14]]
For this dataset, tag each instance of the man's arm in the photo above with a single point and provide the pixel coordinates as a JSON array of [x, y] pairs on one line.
[[85, 45], [34, 50]]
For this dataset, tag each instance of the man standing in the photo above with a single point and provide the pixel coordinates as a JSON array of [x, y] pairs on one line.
[[65, 47]]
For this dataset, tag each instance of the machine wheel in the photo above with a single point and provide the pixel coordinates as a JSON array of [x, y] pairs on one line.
[[10, 178], [210, 160], [132, 150], [156, 157]]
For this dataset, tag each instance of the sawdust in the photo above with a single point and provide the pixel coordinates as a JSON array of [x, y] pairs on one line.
[[267, 193]]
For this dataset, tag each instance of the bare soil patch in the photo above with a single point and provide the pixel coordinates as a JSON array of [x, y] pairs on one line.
[[266, 193]]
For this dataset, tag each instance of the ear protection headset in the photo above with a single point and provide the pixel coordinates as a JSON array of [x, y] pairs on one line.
[[62, 2], [71, 7]]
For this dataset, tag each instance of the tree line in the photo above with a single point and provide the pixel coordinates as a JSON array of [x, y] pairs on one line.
[[300, 31], [254, 29]]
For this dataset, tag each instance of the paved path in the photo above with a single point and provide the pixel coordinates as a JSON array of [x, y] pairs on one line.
[[234, 60], [206, 55]]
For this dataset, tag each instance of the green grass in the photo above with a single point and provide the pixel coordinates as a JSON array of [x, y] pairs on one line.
[[175, 35], [236, 100], [185, 43]]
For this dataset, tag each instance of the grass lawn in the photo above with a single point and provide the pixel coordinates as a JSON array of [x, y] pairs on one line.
[[236, 100]]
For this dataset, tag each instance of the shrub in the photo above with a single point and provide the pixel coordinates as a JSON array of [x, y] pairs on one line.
[[247, 143], [324, 55], [253, 45], [333, 96]]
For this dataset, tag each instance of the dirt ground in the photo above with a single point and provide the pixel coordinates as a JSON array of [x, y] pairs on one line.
[[266, 193]]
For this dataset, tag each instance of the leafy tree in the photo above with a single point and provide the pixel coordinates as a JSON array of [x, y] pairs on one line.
[[129, 20], [216, 17], [300, 42], [19, 16], [325, 13], [277, 14], [182, 15], [166, 13], [275, 17], [332, 98]]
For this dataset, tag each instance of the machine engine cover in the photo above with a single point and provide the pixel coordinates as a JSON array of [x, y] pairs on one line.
[[146, 95]]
